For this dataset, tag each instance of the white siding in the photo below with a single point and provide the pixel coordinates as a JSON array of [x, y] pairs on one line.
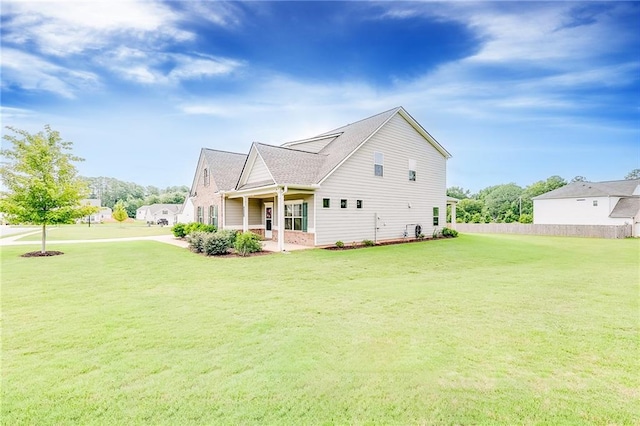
[[389, 196], [259, 172], [570, 211]]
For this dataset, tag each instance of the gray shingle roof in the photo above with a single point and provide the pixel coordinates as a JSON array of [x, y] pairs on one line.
[[351, 136], [292, 166], [315, 159], [173, 208], [626, 207], [613, 188], [224, 167]]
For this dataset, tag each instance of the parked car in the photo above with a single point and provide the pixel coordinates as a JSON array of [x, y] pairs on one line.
[[163, 221]]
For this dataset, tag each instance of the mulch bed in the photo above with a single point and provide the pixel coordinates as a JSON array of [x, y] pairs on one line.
[[41, 254], [234, 254], [382, 243]]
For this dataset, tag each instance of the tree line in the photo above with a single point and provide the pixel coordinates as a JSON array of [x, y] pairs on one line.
[[507, 202], [131, 195]]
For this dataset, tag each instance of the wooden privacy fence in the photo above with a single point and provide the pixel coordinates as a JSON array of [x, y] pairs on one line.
[[594, 231]]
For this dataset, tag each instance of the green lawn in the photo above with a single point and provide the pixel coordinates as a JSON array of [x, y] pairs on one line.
[[99, 231], [483, 329]]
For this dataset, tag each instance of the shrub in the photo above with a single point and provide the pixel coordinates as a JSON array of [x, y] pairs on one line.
[[421, 236], [196, 241], [436, 233], [526, 218], [216, 244], [368, 243], [447, 232], [230, 235], [339, 244], [179, 230], [247, 242], [198, 227]]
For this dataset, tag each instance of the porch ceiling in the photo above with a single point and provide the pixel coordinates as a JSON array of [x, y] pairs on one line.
[[268, 192]]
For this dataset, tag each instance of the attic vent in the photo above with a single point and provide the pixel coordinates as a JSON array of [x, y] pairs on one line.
[[580, 199]]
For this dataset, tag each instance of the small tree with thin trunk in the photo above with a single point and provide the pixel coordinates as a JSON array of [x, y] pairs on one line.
[[41, 185], [119, 212]]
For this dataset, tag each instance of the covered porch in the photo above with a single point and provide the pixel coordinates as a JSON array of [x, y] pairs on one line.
[[274, 210]]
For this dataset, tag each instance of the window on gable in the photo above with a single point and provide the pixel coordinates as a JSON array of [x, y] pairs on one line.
[[205, 177], [165, 211], [412, 170], [378, 164], [326, 203], [358, 204], [343, 204], [595, 203]]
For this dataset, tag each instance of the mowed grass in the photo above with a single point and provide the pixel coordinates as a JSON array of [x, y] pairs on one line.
[[476, 330], [99, 231]]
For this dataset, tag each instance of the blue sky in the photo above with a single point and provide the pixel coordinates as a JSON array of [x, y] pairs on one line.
[[517, 92]]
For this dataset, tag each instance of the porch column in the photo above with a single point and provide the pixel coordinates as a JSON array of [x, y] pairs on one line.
[[245, 213], [280, 220], [453, 216]]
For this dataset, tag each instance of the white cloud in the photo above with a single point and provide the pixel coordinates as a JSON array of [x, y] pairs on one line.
[[125, 37], [33, 73], [64, 28], [190, 68]]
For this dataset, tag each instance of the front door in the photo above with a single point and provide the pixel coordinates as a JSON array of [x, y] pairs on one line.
[[268, 220]]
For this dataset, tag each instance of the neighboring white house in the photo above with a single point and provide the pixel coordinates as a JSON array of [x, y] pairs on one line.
[[141, 212], [381, 178], [103, 214], [154, 212], [186, 214], [591, 203]]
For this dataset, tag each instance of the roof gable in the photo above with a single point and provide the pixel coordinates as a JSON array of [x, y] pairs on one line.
[[285, 166], [223, 167]]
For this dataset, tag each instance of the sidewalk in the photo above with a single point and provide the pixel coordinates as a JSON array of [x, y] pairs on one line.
[[168, 239], [271, 246]]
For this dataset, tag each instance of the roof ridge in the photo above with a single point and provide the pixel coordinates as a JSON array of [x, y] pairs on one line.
[[286, 147], [396, 109], [224, 151]]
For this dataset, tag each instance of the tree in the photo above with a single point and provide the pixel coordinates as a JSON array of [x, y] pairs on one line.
[[42, 186], [458, 192], [119, 212], [469, 210], [539, 188], [579, 179], [502, 203], [633, 174]]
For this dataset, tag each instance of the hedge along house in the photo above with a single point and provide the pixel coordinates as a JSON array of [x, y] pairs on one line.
[[381, 178]]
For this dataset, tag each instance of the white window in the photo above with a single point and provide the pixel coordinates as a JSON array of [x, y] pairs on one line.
[[378, 164], [293, 217], [412, 170]]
